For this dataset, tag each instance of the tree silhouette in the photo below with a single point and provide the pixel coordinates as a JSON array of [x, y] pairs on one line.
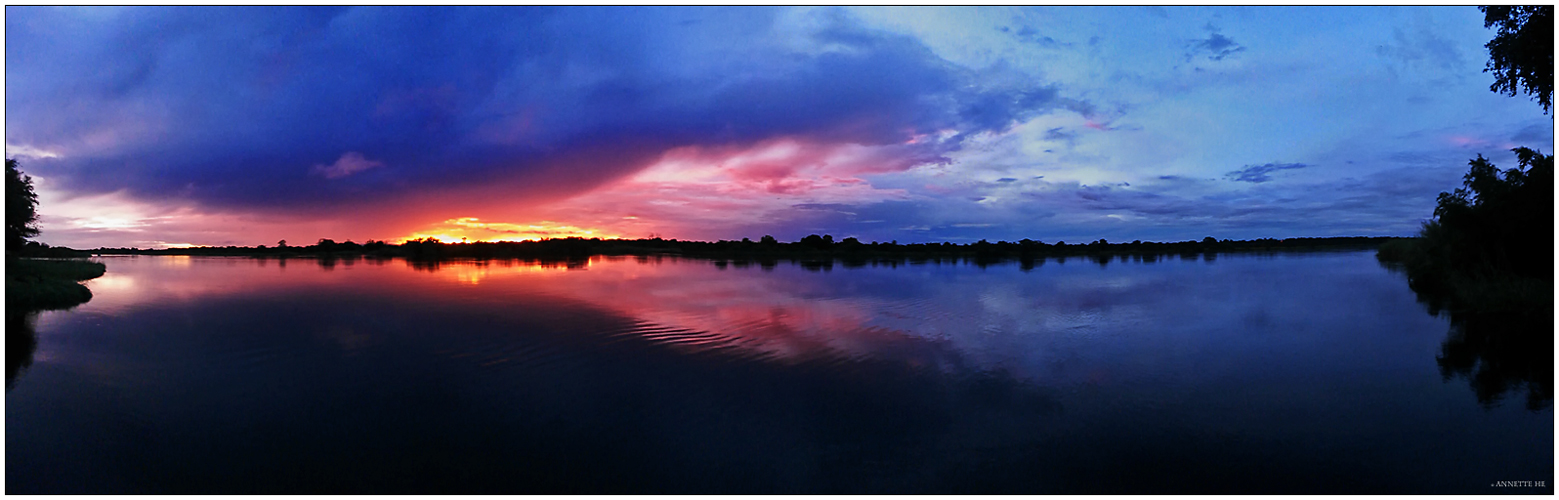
[[1486, 258], [1499, 220], [21, 207], [1502, 221], [1521, 55]]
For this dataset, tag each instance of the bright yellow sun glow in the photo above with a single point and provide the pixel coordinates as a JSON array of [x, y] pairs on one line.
[[472, 229]]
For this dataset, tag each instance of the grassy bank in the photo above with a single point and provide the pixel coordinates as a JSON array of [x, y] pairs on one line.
[[49, 284], [1477, 289]]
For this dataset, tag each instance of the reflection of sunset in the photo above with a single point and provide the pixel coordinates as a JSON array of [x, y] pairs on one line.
[[472, 229], [470, 274], [694, 306], [111, 281], [687, 305], [698, 307], [690, 305], [475, 272]]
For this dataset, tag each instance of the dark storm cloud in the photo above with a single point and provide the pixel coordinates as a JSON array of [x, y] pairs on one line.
[[1259, 173], [304, 107]]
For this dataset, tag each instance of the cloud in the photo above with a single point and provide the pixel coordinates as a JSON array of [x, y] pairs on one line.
[[1027, 34], [25, 151], [1258, 173], [1059, 134], [834, 207], [235, 108], [349, 163], [713, 123], [1421, 49], [1537, 133], [1216, 47]]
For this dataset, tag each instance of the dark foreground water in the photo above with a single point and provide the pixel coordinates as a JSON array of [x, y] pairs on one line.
[[1296, 373]]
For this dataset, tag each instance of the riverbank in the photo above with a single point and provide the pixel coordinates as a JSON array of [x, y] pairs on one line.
[[36, 284], [1476, 290]]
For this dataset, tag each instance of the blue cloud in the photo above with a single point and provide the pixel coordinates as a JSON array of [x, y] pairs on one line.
[[1259, 173], [1216, 47], [1027, 34], [236, 107]]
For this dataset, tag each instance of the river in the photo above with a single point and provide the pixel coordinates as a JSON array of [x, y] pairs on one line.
[[1283, 373]]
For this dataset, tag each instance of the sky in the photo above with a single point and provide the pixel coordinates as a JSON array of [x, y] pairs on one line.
[[166, 127]]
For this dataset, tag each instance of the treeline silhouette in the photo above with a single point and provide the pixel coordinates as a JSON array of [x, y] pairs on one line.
[[1492, 236], [1486, 259], [810, 248]]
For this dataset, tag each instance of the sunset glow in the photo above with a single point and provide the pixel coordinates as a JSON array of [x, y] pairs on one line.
[[779, 249], [915, 125], [473, 230]]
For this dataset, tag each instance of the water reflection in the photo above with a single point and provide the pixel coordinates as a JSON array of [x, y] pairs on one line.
[[664, 375], [1497, 353], [21, 315], [1500, 355], [544, 394], [21, 340]]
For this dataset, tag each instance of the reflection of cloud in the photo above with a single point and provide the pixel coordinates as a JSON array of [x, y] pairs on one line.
[[1028, 325], [350, 340], [694, 306]]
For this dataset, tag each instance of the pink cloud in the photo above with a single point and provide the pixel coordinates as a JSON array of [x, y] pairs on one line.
[[693, 192], [350, 163], [708, 192]]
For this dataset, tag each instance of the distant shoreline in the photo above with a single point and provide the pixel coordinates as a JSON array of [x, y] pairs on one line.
[[810, 248]]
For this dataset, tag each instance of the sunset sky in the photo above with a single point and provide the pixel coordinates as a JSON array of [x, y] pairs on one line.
[[156, 127]]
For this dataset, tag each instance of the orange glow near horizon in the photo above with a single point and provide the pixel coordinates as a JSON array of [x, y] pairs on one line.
[[472, 230]]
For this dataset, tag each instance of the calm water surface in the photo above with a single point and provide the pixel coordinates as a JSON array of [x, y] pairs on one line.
[[1295, 373]]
